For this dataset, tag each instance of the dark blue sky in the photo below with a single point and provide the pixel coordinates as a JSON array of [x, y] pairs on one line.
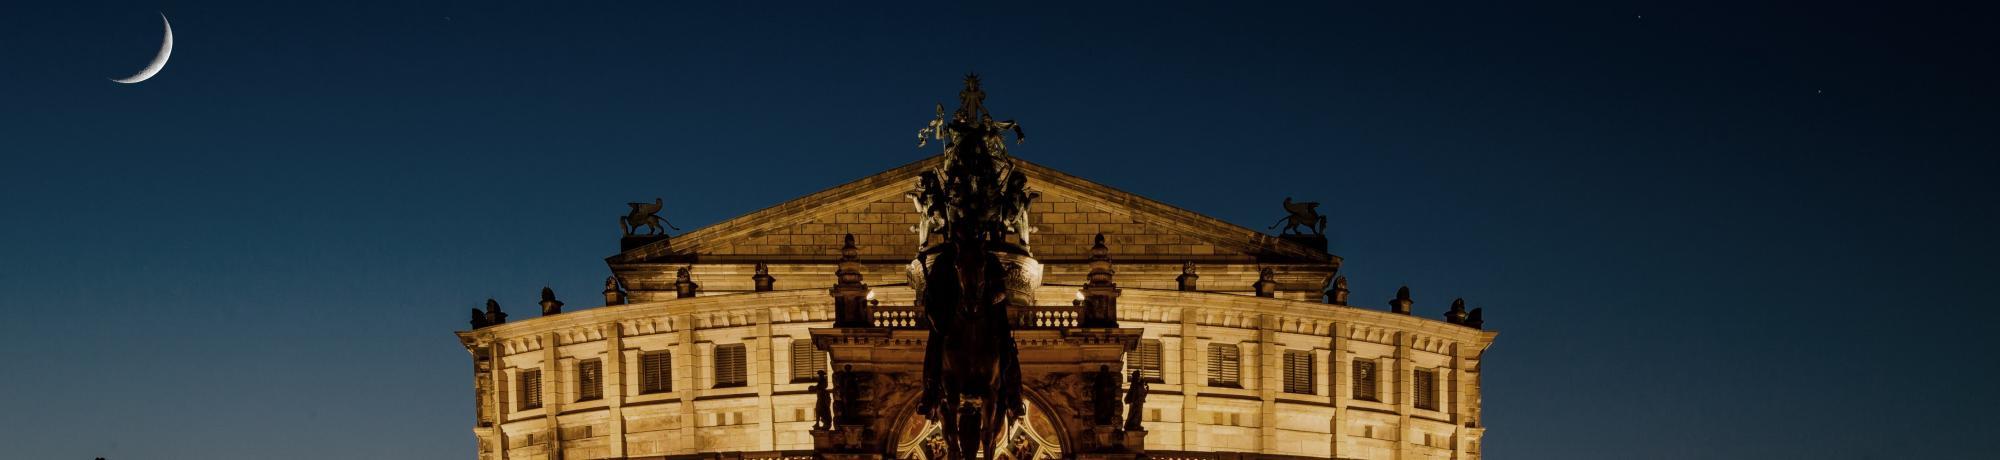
[[1704, 231]]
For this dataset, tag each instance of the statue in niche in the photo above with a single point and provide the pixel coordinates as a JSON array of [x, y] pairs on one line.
[[1304, 213], [645, 215], [1135, 400], [822, 402]]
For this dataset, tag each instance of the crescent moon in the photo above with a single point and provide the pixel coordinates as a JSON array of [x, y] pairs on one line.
[[159, 61]]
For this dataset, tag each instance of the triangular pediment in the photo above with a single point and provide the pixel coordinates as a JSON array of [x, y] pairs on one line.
[[1068, 214]]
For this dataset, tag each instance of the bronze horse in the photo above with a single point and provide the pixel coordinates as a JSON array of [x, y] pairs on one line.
[[972, 381]]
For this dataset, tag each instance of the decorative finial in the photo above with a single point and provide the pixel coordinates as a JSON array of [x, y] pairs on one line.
[[1100, 263], [1265, 285], [1457, 313], [848, 271], [684, 285], [763, 278], [851, 296], [614, 292], [1477, 319], [1401, 304], [1188, 277], [550, 306], [1337, 295], [493, 314]]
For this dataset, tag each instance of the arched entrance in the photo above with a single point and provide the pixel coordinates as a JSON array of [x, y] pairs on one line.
[[1038, 439]]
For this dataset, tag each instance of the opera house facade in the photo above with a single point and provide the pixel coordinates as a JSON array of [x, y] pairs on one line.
[[742, 338]]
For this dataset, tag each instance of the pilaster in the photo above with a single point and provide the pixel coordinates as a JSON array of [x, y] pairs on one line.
[[1340, 389], [1405, 393], [763, 378], [1270, 380], [614, 381], [684, 382], [1460, 405], [1190, 381], [551, 394]]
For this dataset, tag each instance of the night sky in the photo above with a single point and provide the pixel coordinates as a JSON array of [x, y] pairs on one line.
[[1703, 232]]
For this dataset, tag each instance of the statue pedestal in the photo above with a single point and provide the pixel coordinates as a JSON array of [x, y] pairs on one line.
[[633, 242], [823, 440], [1109, 442], [1307, 240]]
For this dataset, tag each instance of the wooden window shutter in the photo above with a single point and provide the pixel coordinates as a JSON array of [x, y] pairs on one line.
[[1147, 360], [1425, 387], [1299, 372], [806, 361], [1224, 368], [656, 372], [589, 380], [1364, 380], [731, 366], [531, 389]]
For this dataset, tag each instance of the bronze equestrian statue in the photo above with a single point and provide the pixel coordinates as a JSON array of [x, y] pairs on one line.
[[974, 198]]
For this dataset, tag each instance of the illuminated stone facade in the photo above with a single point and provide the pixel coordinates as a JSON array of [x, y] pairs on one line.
[[709, 366]]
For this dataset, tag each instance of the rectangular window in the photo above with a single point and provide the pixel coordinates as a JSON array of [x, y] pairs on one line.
[[1223, 368], [1299, 372], [656, 372], [589, 380], [1364, 380], [1146, 360], [806, 361], [531, 389], [1425, 383], [731, 367]]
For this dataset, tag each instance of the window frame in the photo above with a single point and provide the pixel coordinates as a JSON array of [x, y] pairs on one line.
[[1300, 373], [1148, 359], [1221, 365], [815, 361], [528, 384], [664, 371], [1372, 379], [739, 371], [1421, 397], [589, 380]]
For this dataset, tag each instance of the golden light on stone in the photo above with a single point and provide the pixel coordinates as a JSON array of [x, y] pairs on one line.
[[731, 371]]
